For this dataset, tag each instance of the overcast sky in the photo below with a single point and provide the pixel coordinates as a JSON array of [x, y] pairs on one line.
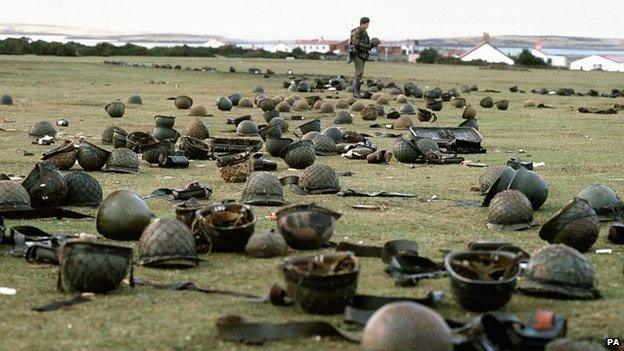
[[291, 19]]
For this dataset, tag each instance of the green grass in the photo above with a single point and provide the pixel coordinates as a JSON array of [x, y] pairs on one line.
[[577, 150]]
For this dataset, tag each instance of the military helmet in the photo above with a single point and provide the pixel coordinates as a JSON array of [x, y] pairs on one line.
[[425, 145], [257, 89], [247, 128], [235, 168], [435, 105], [406, 326], [283, 107], [91, 157], [245, 103], [603, 200], [153, 152], [265, 244], [301, 105], [370, 113], [486, 102], [334, 133], [45, 185], [342, 104], [470, 123], [375, 41], [324, 145], [501, 183], [263, 189], [310, 135], [529, 103], [434, 93], [487, 178], [502, 104], [195, 149], [281, 122], [269, 115], [532, 185], [274, 146], [182, 102], [120, 138], [327, 107], [267, 104], [403, 122], [82, 190], [412, 89], [559, 271], [358, 106], [310, 126], [401, 99], [42, 129], [197, 129], [122, 160], [576, 225], [63, 156], [87, 266], [6, 99], [382, 100], [270, 131], [198, 110], [135, 100], [224, 104], [304, 87], [235, 98], [115, 109], [107, 134], [459, 102], [510, 210], [13, 196], [408, 109], [425, 115], [405, 151], [299, 154], [343, 117], [167, 243], [469, 112], [319, 179], [122, 216], [226, 226], [306, 226]]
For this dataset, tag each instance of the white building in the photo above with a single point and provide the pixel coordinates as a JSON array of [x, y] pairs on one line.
[[280, 47], [553, 60], [214, 43], [487, 53], [597, 62], [315, 45]]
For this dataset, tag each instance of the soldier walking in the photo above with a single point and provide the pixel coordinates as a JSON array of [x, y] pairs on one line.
[[360, 47]]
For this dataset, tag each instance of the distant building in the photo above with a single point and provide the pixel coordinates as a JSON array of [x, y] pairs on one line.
[[280, 47], [315, 45], [486, 52], [214, 43], [599, 63], [553, 60]]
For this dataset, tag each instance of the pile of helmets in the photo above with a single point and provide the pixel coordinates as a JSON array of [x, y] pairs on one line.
[[163, 128], [531, 184]]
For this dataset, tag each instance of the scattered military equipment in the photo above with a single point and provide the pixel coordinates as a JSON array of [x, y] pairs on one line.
[[510, 210], [167, 244], [560, 272], [153, 152], [379, 156], [120, 138], [228, 226], [324, 145], [412, 89], [502, 105], [185, 211], [408, 109], [115, 109], [576, 225], [63, 157], [459, 102], [135, 100], [327, 107], [245, 103], [403, 122], [45, 185], [306, 226], [486, 102], [343, 117], [405, 151], [498, 184], [235, 168], [604, 201], [334, 133], [462, 140], [122, 216], [299, 154], [82, 190], [487, 178], [263, 189], [406, 326], [164, 133], [435, 105], [283, 106], [310, 126], [122, 160], [319, 179], [301, 105], [137, 140], [235, 145], [266, 244], [91, 157], [13, 196], [616, 233], [198, 110], [182, 102], [370, 113], [469, 112], [235, 98], [247, 128], [323, 283], [42, 129], [269, 115], [469, 123]]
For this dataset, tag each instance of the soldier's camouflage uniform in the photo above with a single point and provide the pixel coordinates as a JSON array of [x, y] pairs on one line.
[[361, 45]]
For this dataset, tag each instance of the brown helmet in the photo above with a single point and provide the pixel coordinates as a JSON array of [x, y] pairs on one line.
[[306, 226], [469, 112], [167, 244], [122, 216], [510, 210], [403, 122], [195, 149], [198, 110], [197, 129], [266, 244], [319, 179], [182, 102], [227, 226], [235, 168], [46, 185], [13, 196], [576, 225], [487, 178], [370, 113], [63, 157]]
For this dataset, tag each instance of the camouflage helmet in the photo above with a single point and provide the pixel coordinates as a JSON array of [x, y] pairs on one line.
[[603, 200], [510, 210], [469, 112], [167, 243], [107, 134], [270, 131], [224, 104], [559, 271], [487, 178], [327, 107], [406, 326], [324, 145], [6, 99], [198, 110], [319, 179], [82, 190], [115, 109], [358, 106], [267, 104], [245, 103], [153, 152], [306, 226], [370, 113], [274, 146], [342, 104], [135, 100], [91, 157], [486, 102], [122, 160], [301, 105], [45, 185], [408, 109], [283, 107], [501, 183], [122, 216], [182, 102], [343, 117], [266, 244], [334, 133], [310, 126], [405, 151], [87, 266], [42, 129], [197, 129], [63, 156], [299, 154], [247, 128], [375, 41], [263, 189], [502, 104], [235, 98], [532, 185], [13, 196], [576, 225], [281, 122], [403, 122]]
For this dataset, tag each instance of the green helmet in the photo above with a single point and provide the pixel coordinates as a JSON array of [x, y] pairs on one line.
[[247, 128], [107, 134], [91, 157], [63, 156], [281, 122], [122, 160], [13, 196], [272, 130], [274, 146], [408, 109], [269, 115], [197, 129], [604, 201], [306, 226], [224, 104], [435, 105], [263, 189], [414, 90], [115, 109], [502, 105], [375, 41], [235, 98], [532, 185], [182, 102], [576, 225], [343, 117], [299, 154], [319, 179], [266, 244], [42, 129], [82, 190], [406, 326], [434, 93], [164, 121], [501, 183], [135, 100], [245, 103], [310, 126], [167, 243], [334, 133], [283, 107], [6, 99], [153, 152], [405, 151], [510, 210], [486, 102], [122, 216], [324, 145], [487, 178], [459, 102], [559, 271], [198, 110], [45, 185]]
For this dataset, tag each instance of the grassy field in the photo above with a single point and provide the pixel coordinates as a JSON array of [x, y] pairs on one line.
[[577, 150]]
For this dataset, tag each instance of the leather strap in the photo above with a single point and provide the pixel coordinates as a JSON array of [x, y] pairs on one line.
[[351, 192], [363, 306], [187, 285], [34, 213]]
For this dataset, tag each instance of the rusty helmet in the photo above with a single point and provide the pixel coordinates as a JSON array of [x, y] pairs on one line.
[[510, 210], [167, 243]]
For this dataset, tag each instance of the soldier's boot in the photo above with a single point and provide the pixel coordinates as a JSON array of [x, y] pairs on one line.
[[356, 88]]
